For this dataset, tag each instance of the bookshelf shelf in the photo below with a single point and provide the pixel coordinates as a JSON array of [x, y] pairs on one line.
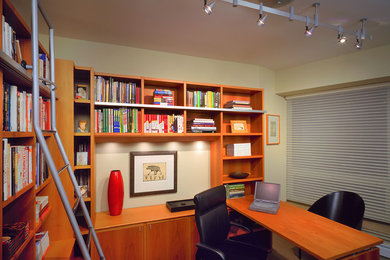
[[44, 184], [7, 134], [201, 109], [82, 167], [16, 74], [82, 134], [228, 180], [17, 195], [242, 157], [82, 101]]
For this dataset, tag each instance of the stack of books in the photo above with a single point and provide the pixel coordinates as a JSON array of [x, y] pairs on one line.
[[41, 204], [202, 125], [236, 190], [163, 97], [238, 104], [41, 244], [14, 236]]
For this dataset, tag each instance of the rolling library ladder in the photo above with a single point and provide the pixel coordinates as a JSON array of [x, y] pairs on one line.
[[40, 137]]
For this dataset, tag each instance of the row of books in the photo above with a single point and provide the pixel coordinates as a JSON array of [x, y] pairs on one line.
[[203, 99], [14, 236], [44, 66], [202, 125], [163, 97], [41, 169], [17, 110], [17, 168], [11, 46], [117, 120], [155, 123], [236, 190], [238, 104], [82, 153], [82, 178], [109, 90]]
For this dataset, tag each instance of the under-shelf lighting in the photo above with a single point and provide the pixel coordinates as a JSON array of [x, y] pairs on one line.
[[208, 8], [342, 32]]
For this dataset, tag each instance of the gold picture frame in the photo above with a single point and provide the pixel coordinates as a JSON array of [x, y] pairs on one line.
[[238, 126]]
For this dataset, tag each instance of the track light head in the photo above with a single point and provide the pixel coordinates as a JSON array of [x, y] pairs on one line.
[[208, 8], [261, 20], [359, 41], [309, 32], [341, 38]]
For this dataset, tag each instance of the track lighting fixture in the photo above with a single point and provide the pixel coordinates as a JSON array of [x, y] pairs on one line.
[[208, 8], [310, 23], [341, 38], [308, 32], [261, 20], [359, 41]]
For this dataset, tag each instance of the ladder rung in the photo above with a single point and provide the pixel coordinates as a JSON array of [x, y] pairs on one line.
[[49, 131], [63, 168], [49, 82], [76, 204]]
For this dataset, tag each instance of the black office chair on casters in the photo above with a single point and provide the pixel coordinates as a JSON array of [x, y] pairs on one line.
[[342, 206], [212, 221]]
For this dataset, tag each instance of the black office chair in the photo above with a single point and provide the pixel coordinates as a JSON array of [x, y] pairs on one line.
[[344, 207], [212, 221]]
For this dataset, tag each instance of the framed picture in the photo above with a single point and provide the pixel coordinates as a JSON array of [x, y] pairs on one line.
[[153, 173], [238, 126], [81, 91], [273, 129]]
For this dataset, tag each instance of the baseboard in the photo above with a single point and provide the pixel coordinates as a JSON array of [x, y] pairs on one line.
[[384, 250]]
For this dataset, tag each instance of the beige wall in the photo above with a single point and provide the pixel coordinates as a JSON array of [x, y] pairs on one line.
[[193, 157], [360, 67]]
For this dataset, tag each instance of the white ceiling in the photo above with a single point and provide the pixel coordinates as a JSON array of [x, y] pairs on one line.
[[181, 26]]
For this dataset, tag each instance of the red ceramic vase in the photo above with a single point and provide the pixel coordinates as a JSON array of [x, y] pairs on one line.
[[115, 193]]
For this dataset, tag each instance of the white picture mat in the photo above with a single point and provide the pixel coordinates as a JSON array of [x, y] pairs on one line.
[[273, 129], [167, 184]]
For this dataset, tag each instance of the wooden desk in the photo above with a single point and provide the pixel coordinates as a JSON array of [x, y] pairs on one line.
[[321, 237]]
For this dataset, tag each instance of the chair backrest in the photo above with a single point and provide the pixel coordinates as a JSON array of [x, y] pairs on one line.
[[342, 206], [211, 215]]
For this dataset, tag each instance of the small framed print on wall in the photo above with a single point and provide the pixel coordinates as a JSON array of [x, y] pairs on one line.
[[153, 173], [273, 129]]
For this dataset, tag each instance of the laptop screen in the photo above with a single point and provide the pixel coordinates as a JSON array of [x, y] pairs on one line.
[[267, 191]]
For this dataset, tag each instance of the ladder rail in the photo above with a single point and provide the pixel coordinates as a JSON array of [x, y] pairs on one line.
[[41, 139]]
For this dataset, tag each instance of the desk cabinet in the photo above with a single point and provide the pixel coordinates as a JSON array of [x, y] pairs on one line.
[[167, 239]]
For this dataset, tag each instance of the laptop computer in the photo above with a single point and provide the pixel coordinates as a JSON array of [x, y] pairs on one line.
[[266, 199]]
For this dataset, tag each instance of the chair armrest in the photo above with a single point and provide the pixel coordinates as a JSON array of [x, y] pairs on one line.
[[240, 226], [214, 251]]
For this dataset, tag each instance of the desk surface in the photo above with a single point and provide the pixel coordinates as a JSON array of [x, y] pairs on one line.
[[319, 236]]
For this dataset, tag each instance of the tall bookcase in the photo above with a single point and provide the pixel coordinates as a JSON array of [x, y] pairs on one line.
[[19, 187]]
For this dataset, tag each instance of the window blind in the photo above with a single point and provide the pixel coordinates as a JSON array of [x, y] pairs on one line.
[[341, 141]]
